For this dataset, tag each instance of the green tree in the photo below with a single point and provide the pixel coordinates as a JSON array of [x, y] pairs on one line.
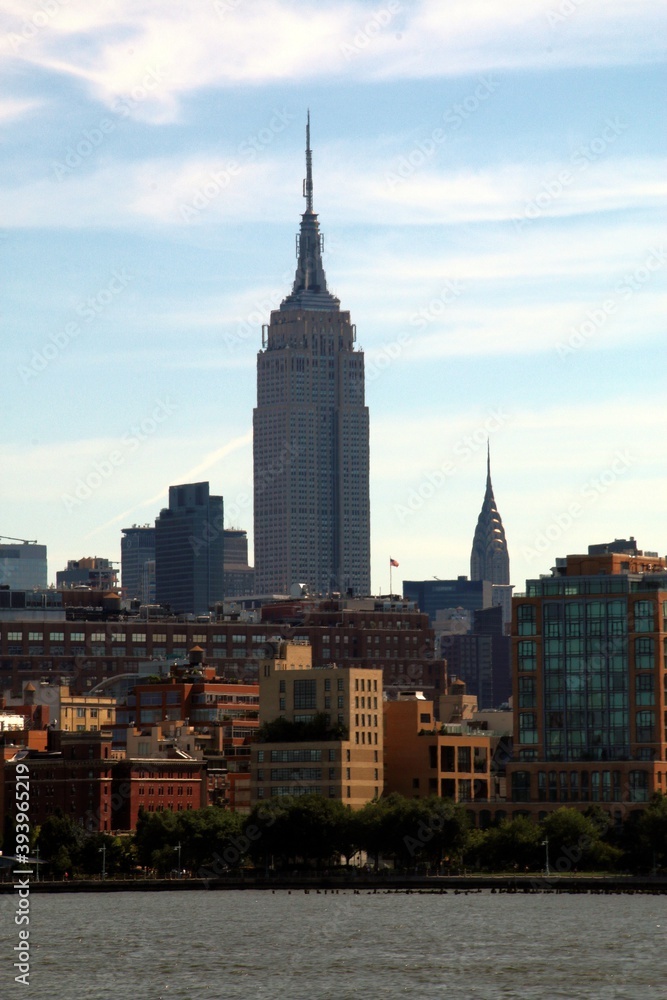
[[576, 842], [60, 842], [646, 835], [513, 845], [282, 730]]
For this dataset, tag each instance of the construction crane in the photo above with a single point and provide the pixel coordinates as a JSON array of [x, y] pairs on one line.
[[27, 541]]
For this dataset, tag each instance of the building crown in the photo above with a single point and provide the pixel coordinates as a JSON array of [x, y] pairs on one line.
[[309, 290], [489, 559]]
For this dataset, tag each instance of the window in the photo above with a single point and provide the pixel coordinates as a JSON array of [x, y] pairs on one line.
[[644, 653], [638, 782], [521, 786], [527, 727], [527, 650], [645, 724], [305, 694], [644, 684], [643, 616], [526, 619], [527, 695]]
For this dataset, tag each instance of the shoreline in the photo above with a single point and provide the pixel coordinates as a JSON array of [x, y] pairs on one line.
[[435, 884]]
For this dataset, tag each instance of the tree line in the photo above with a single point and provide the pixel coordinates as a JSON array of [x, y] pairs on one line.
[[317, 833]]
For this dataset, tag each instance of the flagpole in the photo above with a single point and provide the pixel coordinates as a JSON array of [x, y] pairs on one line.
[[391, 589]]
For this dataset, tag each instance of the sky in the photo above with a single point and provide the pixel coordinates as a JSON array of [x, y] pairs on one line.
[[490, 182]]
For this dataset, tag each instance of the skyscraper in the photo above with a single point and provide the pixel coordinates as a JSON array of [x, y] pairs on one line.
[[137, 563], [189, 550], [311, 435], [489, 559]]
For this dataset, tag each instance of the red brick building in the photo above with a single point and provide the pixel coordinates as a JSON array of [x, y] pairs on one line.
[[79, 776]]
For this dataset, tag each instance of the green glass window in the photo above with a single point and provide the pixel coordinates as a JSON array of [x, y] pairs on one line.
[[644, 653], [526, 619], [527, 695], [645, 726]]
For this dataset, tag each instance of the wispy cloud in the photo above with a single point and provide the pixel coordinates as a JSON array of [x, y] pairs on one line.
[[110, 48]]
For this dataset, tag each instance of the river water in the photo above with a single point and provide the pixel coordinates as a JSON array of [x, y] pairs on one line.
[[224, 945]]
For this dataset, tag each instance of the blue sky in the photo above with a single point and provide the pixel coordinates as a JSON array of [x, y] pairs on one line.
[[490, 182]]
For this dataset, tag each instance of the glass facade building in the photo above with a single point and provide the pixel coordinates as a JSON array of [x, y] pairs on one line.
[[189, 550], [589, 684]]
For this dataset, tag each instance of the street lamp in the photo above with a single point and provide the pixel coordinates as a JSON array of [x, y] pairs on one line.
[[178, 850], [545, 842], [103, 851]]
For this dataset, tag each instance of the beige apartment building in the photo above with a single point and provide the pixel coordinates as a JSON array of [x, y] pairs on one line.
[[345, 759], [83, 713]]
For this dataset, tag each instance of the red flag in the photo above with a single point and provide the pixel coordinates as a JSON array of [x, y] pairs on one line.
[[392, 562]]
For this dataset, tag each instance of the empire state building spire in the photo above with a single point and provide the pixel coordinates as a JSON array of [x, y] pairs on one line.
[[309, 290], [489, 559], [311, 436]]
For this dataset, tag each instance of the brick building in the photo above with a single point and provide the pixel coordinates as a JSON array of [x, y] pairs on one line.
[[390, 635], [79, 775]]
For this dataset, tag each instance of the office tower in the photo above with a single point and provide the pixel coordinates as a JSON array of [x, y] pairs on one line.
[[189, 550], [239, 576], [22, 566], [489, 559], [311, 436], [481, 658], [589, 700], [137, 563]]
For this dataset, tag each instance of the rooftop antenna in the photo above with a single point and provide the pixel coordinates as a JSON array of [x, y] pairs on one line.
[[308, 182]]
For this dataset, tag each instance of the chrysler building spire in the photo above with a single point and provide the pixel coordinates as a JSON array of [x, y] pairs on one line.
[[309, 290], [489, 559]]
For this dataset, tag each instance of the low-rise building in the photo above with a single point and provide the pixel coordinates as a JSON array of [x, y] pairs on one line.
[[323, 729], [424, 757]]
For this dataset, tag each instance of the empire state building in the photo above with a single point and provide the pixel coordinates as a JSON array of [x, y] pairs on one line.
[[311, 435]]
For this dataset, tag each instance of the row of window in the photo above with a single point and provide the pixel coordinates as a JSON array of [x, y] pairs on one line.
[[581, 786]]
